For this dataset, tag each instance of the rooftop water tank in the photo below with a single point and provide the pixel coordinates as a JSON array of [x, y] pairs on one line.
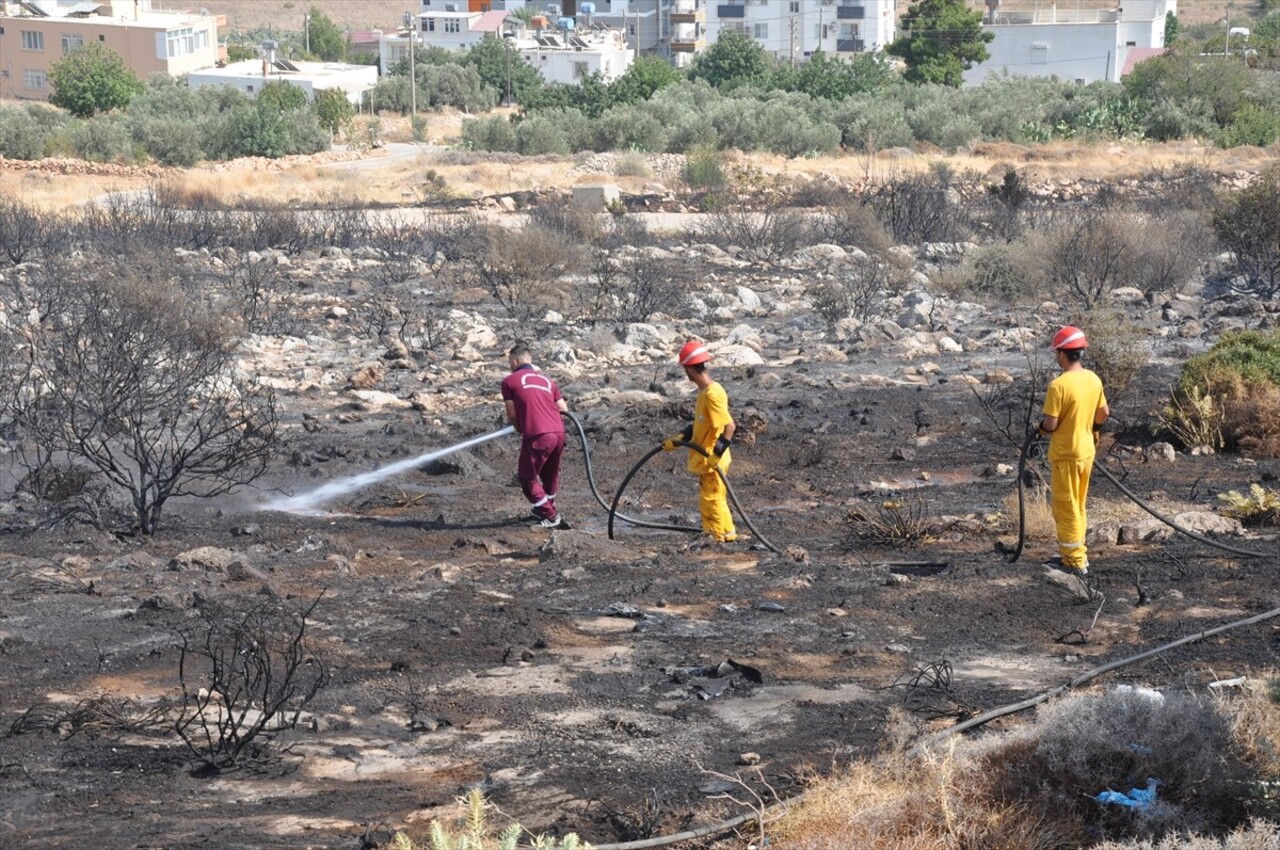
[[587, 8], [565, 24]]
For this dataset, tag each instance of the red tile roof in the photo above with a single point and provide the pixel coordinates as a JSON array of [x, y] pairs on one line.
[[1140, 54], [490, 21]]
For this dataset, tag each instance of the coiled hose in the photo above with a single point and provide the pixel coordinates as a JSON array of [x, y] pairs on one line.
[[613, 508], [1137, 500], [591, 482]]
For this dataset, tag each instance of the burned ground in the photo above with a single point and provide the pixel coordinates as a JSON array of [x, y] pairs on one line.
[[582, 682]]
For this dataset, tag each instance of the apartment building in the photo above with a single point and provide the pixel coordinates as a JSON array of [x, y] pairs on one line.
[[34, 34], [788, 29]]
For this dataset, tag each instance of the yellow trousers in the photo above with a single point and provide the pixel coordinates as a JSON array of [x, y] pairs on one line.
[[713, 502], [1070, 485]]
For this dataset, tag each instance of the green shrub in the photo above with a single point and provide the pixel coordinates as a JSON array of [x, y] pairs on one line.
[[172, 141], [488, 134], [631, 127], [704, 169], [1261, 507], [631, 164], [21, 136], [1251, 125], [1244, 357], [102, 139], [536, 136]]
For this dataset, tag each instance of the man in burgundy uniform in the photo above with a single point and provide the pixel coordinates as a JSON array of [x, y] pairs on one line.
[[534, 405]]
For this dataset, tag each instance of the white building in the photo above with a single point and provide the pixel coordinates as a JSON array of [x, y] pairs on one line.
[[677, 30], [1077, 43], [793, 29], [560, 51], [252, 74]]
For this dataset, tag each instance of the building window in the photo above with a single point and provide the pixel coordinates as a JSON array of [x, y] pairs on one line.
[[34, 80], [1039, 53], [848, 31], [429, 25], [579, 70], [101, 37], [185, 41], [32, 40], [760, 31], [71, 43], [453, 25], [795, 7]]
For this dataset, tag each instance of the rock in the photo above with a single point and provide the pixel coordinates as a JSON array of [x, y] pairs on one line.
[[902, 453], [749, 758], [205, 558], [337, 312], [1147, 531], [1160, 453], [750, 300], [246, 530], [367, 376], [770, 606], [1129, 295], [897, 580], [1205, 522]]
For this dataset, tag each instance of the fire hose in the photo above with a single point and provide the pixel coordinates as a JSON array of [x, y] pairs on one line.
[[591, 482], [1137, 500], [613, 508]]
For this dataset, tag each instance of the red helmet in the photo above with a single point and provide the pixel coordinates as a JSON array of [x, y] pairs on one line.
[[1069, 338], [694, 353]]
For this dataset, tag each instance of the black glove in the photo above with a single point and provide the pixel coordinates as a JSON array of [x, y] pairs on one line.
[[721, 446]]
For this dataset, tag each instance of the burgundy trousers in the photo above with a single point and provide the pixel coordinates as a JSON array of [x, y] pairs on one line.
[[539, 471]]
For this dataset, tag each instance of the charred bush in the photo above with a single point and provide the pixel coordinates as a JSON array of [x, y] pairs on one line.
[[135, 377], [853, 224], [763, 236], [27, 232], [1247, 223], [246, 675], [922, 208], [517, 268]]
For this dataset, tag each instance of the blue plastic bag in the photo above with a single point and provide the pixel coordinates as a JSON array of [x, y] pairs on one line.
[[1139, 799]]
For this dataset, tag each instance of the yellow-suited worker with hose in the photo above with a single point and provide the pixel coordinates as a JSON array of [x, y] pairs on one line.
[[712, 429], [1075, 407]]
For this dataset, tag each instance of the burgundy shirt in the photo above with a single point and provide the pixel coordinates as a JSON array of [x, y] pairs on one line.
[[535, 396]]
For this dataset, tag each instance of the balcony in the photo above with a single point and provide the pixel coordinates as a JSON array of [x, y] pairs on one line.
[[696, 45], [845, 13], [688, 12], [850, 45], [726, 10]]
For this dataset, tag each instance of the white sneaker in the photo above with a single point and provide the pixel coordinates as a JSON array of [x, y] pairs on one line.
[[551, 522]]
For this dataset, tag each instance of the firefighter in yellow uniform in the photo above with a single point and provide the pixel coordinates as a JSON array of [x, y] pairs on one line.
[[1075, 407], [713, 429]]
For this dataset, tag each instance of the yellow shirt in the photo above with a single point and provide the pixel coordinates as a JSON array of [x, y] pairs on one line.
[[1074, 397], [710, 416]]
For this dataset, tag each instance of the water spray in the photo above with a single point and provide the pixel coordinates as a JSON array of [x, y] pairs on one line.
[[309, 503]]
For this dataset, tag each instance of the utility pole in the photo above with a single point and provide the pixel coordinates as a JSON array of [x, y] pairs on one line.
[[306, 30], [1226, 45], [793, 41], [822, 32], [413, 76]]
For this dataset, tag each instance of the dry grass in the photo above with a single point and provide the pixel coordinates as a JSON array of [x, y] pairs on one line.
[[1031, 787], [1103, 508], [303, 180]]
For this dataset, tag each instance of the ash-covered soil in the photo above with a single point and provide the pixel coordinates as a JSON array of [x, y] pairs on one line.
[[602, 686]]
